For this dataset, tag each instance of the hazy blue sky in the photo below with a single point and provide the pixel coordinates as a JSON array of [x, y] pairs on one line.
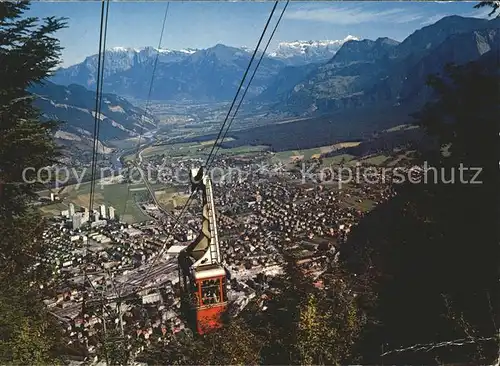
[[204, 24]]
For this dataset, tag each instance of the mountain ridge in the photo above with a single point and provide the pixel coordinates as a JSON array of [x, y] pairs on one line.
[[125, 67], [208, 75], [362, 73], [298, 53], [74, 106]]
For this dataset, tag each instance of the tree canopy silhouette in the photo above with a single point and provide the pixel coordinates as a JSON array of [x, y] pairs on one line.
[[28, 52], [433, 248]]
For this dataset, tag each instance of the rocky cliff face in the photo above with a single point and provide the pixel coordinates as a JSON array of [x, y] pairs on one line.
[[356, 64], [383, 71]]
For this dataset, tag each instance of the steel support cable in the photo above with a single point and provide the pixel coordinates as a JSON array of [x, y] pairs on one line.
[[98, 111], [250, 81], [102, 80], [138, 146], [100, 64], [147, 106], [99, 125], [242, 81], [220, 132], [155, 64], [148, 101], [162, 250]]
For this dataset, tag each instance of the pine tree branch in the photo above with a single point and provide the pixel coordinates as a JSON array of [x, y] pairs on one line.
[[494, 4]]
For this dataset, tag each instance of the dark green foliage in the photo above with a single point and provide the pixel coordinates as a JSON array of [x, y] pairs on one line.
[[234, 344], [465, 115], [28, 336], [28, 52], [114, 350], [433, 249], [495, 5]]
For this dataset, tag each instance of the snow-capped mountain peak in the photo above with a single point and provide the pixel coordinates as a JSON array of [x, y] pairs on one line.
[[299, 52], [119, 59], [121, 49], [189, 51], [149, 49]]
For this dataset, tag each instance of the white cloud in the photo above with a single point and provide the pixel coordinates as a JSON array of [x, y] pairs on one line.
[[353, 15], [480, 13], [477, 13], [433, 19]]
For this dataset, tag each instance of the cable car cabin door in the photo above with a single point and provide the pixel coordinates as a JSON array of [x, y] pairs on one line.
[[212, 304], [190, 298]]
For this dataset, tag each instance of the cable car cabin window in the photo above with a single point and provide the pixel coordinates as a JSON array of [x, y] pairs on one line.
[[210, 291]]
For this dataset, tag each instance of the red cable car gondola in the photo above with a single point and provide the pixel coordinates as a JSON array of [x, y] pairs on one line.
[[202, 276]]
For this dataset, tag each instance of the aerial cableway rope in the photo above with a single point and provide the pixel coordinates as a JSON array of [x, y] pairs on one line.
[[249, 82], [144, 278], [148, 100], [98, 103], [100, 74], [147, 105], [242, 82]]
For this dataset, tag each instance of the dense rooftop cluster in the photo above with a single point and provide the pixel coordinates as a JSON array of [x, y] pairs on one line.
[[127, 275]]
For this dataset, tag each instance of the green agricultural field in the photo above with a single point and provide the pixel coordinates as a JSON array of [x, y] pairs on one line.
[[195, 149], [291, 155], [375, 160], [111, 195], [175, 150], [211, 142], [240, 150], [170, 199], [125, 144], [336, 160], [401, 158], [53, 209], [283, 156], [307, 154]]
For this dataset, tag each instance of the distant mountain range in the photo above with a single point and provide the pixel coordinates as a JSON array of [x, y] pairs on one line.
[[297, 79], [211, 74], [301, 77], [307, 52], [384, 71], [116, 60], [206, 75]]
